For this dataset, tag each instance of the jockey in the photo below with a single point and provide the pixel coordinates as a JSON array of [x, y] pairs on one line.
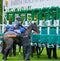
[[21, 30], [17, 23]]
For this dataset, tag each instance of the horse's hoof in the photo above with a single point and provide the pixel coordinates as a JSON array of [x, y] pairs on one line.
[[28, 60], [25, 59], [5, 59]]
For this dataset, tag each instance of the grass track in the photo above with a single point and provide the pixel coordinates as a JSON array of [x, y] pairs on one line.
[[43, 57]]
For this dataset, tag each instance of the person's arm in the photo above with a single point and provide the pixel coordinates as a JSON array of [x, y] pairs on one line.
[[22, 26]]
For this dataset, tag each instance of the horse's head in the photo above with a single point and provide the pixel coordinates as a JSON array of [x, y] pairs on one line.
[[34, 27]]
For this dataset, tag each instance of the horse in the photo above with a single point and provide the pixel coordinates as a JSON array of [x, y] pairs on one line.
[[6, 28], [10, 37]]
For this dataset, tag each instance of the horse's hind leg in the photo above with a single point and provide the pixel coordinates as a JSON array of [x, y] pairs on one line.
[[10, 52], [6, 51], [19, 48], [32, 50]]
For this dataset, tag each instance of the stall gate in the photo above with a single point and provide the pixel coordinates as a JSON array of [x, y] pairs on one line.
[[49, 34]]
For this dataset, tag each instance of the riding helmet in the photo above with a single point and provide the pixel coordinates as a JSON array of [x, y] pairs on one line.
[[18, 18]]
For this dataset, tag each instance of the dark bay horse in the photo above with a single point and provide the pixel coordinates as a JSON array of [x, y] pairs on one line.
[[25, 38]]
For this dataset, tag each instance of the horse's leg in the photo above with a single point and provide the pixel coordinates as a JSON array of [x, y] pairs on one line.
[[32, 51], [37, 48], [9, 43], [6, 52], [10, 52], [14, 49], [19, 45], [54, 52], [40, 50], [27, 52], [19, 49], [49, 50]]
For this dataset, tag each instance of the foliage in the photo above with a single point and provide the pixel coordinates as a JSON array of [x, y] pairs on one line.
[[1, 11]]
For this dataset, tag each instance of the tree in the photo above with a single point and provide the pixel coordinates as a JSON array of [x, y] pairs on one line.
[[1, 11]]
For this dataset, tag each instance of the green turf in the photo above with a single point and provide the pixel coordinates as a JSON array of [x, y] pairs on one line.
[[43, 57]]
